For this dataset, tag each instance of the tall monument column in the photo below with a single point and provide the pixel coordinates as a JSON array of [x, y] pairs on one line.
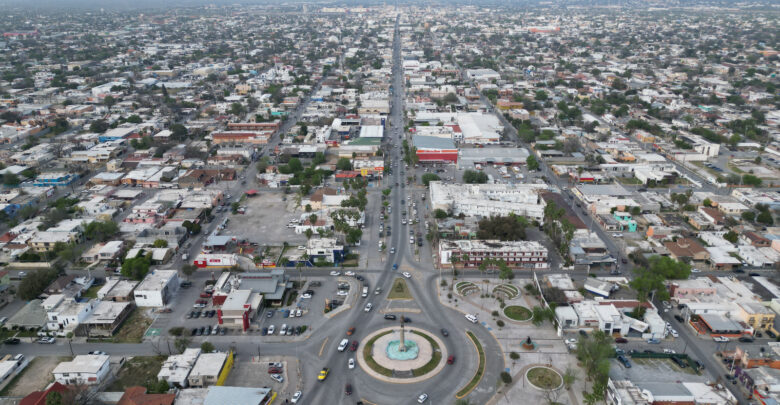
[[402, 343]]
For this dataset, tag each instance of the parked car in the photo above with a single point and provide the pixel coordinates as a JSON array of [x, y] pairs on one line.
[[621, 340], [296, 397], [277, 377], [12, 341], [47, 340], [390, 317]]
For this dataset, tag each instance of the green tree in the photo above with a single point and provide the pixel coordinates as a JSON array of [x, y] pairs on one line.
[[54, 398], [474, 177], [353, 235], [109, 101], [429, 177], [344, 164], [137, 267], [188, 269], [33, 285], [765, 217], [207, 347], [160, 243], [10, 179], [749, 216], [101, 231], [181, 344], [731, 236], [440, 213], [532, 163]]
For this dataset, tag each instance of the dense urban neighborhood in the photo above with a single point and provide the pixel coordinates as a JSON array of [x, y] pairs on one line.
[[327, 203]]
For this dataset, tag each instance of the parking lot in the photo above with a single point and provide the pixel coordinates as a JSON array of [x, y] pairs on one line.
[[253, 372], [266, 219], [662, 370]]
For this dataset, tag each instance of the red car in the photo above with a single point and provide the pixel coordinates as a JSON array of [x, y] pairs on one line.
[[201, 302], [274, 370], [205, 295], [621, 340], [353, 346], [451, 359]]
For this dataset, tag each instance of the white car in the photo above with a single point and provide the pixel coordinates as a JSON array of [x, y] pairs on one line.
[[350, 274], [368, 307], [342, 293], [695, 271], [292, 314], [301, 247], [351, 364], [669, 351], [471, 318], [277, 377], [571, 342], [335, 273], [407, 274], [306, 296], [422, 398], [298, 313], [296, 397], [674, 333], [271, 329]]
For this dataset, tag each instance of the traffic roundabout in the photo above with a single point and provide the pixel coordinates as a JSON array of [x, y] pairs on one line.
[[383, 356]]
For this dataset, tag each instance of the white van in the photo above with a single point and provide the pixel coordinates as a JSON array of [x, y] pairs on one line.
[[471, 318], [343, 345], [365, 292]]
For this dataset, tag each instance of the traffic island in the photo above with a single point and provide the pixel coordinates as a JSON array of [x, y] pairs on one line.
[[518, 313], [385, 358], [480, 368]]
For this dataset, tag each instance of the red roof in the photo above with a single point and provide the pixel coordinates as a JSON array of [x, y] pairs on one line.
[[251, 192], [39, 397], [138, 396]]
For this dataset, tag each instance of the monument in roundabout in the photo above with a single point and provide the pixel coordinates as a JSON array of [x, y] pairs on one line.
[[402, 354]]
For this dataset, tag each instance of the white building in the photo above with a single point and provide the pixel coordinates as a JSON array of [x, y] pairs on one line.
[[516, 254], [489, 199], [176, 368], [83, 369], [207, 368], [64, 315], [157, 288]]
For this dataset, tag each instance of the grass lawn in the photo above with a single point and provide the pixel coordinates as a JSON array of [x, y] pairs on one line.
[[370, 360], [480, 369], [91, 292], [435, 359], [518, 313], [399, 291], [137, 371], [544, 378], [628, 180], [132, 331], [6, 333]]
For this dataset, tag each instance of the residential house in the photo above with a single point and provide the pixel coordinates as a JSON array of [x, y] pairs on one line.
[[89, 369]]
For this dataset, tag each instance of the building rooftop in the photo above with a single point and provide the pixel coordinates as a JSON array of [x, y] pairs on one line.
[[238, 395], [156, 280], [83, 363], [209, 364]]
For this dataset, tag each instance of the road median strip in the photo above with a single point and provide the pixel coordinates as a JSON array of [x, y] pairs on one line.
[[480, 368]]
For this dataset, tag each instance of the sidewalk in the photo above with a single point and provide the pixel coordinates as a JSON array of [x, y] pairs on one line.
[[551, 349]]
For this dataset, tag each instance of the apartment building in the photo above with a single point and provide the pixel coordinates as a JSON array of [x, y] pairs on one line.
[[471, 253]]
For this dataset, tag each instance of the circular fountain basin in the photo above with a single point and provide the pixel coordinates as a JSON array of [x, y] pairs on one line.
[[394, 353]]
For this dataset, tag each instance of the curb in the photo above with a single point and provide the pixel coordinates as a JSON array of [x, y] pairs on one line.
[[368, 370], [483, 372]]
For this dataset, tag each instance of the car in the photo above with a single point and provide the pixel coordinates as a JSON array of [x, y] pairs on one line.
[[269, 314], [323, 374], [306, 296], [191, 315], [223, 331], [292, 313], [277, 377], [653, 341], [746, 339], [721, 339], [46, 340], [342, 293], [350, 331], [98, 353], [390, 317], [309, 291], [359, 277], [348, 389], [674, 333], [368, 307], [451, 359], [271, 329], [422, 398], [264, 331], [201, 330], [472, 318], [621, 340], [392, 249], [771, 334], [349, 273], [669, 351], [570, 341], [395, 266], [285, 313], [199, 305], [377, 291], [194, 332], [277, 364], [335, 273], [754, 274], [624, 360], [679, 318], [12, 341], [205, 295], [301, 247], [275, 370], [444, 332], [353, 346], [298, 313], [740, 271], [407, 274], [296, 397], [695, 271]]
